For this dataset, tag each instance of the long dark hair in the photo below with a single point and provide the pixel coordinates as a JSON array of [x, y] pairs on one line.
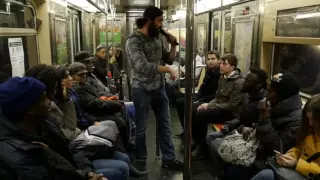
[[62, 74], [140, 22], [312, 105], [47, 75]]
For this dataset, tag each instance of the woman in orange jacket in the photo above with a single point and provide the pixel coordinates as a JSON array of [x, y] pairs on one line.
[[308, 144]]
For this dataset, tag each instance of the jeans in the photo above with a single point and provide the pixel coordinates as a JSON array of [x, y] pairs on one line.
[[239, 172], [180, 108], [160, 104], [200, 122], [266, 174], [116, 168]]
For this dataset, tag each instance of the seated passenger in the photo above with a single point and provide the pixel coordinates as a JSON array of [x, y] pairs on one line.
[[100, 64], [308, 144], [224, 107], [208, 88], [89, 97], [86, 59], [71, 120], [254, 87], [67, 123], [32, 146], [277, 125], [90, 101]]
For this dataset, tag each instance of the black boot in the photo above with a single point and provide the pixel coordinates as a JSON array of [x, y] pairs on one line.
[[136, 173], [173, 165]]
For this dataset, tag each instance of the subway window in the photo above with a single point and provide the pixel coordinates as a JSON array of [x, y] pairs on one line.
[[17, 54], [303, 61], [14, 15]]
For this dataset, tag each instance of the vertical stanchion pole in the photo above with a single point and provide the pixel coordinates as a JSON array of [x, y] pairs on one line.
[[157, 4], [107, 39], [188, 96]]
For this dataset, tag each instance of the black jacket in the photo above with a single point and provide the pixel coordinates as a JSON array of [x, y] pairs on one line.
[[278, 132], [209, 86], [44, 157], [249, 113], [100, 70], [89, 101], [101, 89]]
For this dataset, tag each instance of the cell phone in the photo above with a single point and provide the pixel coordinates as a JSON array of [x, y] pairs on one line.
[[277, 152]]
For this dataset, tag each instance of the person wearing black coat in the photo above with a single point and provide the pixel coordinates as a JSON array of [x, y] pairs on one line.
[[100, 64], [208, 88], [32, 146], [278, 124], [254, 87]]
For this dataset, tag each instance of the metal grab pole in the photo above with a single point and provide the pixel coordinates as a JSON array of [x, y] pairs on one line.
[[188, 97]]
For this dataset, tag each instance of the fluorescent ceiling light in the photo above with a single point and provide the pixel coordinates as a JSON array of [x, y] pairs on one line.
[[134, 11], [84, 4]]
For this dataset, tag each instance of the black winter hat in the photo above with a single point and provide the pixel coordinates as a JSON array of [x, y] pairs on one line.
[[152, 12], [285, 84]]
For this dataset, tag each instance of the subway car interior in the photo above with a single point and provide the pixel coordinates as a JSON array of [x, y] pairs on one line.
[[274, 35]]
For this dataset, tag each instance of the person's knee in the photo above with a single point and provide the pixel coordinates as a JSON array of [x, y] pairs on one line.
[[122, 166], [211, 137], [122, 157], [266, 174]]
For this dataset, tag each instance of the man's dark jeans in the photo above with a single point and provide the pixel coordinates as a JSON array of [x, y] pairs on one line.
[[159, 102]]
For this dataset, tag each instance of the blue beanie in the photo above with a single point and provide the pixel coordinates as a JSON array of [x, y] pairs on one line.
[[18, 94]]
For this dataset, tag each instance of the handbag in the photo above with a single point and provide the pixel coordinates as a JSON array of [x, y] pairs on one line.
[[236, 150], [97, 142], [284, 173]]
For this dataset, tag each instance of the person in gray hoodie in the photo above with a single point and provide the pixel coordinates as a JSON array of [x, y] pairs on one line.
[[146, 55], [224, 107]]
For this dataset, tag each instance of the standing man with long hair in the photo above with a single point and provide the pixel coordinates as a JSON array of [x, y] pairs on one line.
[[147, 56]]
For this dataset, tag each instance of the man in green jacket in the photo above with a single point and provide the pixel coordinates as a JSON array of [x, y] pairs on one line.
[[224, 107]]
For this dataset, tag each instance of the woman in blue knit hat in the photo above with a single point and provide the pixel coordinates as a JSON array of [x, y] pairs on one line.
[[26, 153]]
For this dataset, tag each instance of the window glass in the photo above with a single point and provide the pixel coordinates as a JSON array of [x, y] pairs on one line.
[[61, 53], [299, 22], [301, 60], [243, 37], [215, 33], [88, 33], [30, 54], [15, 16], [227, 34]]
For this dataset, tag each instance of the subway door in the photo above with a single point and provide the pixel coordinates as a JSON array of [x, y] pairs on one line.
[[245, 34]]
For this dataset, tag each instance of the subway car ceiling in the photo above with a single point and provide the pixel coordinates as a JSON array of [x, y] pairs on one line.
[[274, 35]]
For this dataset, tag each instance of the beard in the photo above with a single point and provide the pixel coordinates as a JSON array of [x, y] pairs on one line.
[[153, 31]]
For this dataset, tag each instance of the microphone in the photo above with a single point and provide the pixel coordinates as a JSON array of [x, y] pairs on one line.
[[166, 35]]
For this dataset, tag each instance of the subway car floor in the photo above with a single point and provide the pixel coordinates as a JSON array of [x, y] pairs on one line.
[[200, 169]]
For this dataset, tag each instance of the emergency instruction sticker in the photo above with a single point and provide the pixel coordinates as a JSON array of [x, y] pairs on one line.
[[16, 56]]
